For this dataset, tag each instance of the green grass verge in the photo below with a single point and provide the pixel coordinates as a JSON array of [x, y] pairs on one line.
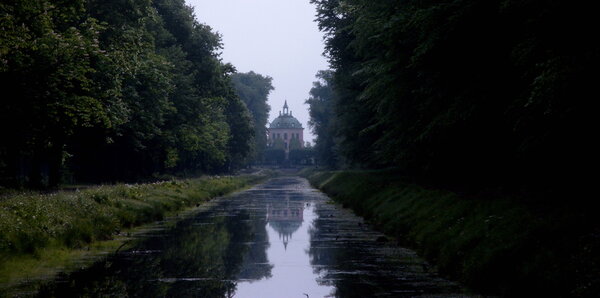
[[494, 246], [42, 232]]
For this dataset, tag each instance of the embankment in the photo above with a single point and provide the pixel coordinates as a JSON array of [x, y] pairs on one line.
[[492, 245], [40, 233]]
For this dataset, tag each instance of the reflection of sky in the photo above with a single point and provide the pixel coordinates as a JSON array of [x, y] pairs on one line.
[[292, 273]]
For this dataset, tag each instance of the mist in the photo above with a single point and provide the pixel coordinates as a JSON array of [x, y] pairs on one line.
[[271, 37]]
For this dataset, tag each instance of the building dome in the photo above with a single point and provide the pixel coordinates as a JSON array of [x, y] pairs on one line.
[[285, 120]]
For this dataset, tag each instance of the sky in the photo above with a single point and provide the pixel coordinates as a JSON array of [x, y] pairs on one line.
[[278, 38]]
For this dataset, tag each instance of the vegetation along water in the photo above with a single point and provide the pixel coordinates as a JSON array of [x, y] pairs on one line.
[[463, 129], [43, 234]]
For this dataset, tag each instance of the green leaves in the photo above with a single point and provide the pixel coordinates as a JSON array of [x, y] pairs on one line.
[[486, 87], [128, 89], [322, 112], [253, 89], [47, 55]]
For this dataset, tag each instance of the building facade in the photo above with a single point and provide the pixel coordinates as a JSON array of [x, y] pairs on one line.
[[286, 131]]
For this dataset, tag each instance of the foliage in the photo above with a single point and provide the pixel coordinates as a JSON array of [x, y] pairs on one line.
[[242, 144], [253, 89], [112, 91], [321, 103], [501, 247], [301, 156], [274, 155], [463, 93], [30, 222], [47, 55], [295, 144], [216, 254]]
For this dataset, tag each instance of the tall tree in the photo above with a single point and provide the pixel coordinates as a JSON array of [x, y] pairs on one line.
[[114, 90], [322, 118], [464, 92], [47, 52], [254, 89]]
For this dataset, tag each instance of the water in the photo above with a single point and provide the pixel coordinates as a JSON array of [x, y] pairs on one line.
[[279, 239]]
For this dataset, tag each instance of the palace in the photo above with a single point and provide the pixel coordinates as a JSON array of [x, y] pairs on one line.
[[286, 131]]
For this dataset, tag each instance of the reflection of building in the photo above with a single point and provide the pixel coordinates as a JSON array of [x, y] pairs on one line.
[[286, 131], [285, 214], [285, 219]]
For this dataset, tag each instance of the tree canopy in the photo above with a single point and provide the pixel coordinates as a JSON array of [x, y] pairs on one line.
[[253, 89], [463, 92], [114, 90], [322, 118]]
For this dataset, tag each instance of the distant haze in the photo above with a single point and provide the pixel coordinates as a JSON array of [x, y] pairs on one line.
[[277, 38]]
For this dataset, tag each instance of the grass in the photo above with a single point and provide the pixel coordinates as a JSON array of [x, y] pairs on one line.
[[497, 246], [40, 233], [21, 273]]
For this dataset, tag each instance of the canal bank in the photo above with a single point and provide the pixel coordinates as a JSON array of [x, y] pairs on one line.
[[494, 246], [43, 234], [281, 238]]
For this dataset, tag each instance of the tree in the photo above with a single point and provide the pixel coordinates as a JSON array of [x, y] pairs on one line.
[[253, 89], [463, 93], [322, 118], [114, 90], [274, 155], [242, 132], [46, 65], [302, 156]]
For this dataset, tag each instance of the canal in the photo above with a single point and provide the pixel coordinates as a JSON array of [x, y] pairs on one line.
[[281, 238]]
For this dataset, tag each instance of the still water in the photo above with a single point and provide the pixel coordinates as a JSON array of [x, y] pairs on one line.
[[278, 239]]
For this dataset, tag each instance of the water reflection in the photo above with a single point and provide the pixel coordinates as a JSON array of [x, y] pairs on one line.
[[281, 239], [200, 257], [347, 255], [288, 228], [285, 218]]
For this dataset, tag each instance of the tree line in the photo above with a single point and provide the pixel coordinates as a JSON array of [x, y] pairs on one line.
[[114, 90], [463, 93]]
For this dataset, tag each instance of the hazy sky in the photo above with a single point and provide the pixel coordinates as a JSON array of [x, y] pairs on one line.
[[278, 38]]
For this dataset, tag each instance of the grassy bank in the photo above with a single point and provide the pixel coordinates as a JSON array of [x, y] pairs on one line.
[[493, 245], [39, 232]]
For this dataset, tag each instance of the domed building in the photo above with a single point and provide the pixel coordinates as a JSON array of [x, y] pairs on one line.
[[286, 130]]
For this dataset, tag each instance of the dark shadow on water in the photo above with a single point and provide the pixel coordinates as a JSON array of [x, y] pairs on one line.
[[353, 259]]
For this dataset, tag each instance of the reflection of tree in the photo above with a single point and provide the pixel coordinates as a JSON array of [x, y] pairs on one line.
[[255, 265], [342, 258], [199, 257], [322, 257], [348, 265]]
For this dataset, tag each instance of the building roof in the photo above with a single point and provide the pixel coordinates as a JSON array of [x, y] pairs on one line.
[[285, 120]]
